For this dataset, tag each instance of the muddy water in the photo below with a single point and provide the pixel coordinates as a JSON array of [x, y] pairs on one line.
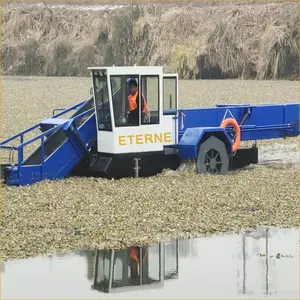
[[254, 264]]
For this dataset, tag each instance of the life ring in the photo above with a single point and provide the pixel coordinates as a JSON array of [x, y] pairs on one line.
[[236, 127]]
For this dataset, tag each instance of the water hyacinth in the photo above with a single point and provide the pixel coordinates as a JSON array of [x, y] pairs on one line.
[[89, 212]]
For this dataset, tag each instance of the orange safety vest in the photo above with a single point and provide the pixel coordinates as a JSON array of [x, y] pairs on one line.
[[134, 254], [133, 102]]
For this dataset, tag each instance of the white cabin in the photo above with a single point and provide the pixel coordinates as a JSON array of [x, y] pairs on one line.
[[116, 134]]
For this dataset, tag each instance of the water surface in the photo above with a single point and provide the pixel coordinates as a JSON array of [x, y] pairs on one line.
[[256, 264]]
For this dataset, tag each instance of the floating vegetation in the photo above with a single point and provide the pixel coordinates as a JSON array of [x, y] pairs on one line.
[[89, 212]]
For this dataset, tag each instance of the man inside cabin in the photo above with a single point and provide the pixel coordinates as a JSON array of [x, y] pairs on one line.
[[133, 104]]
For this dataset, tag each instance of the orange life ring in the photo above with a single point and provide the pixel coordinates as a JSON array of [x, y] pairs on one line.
[[236, 127]]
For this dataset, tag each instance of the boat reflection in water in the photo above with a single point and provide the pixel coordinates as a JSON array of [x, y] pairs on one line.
[[135, 268]]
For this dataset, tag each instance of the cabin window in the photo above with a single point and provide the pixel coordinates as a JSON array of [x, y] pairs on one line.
[[150, 92], [120, 100], [101, 102], [170, 93]]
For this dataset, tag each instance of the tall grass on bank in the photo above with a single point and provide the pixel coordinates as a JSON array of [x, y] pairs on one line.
[[178, 2], [253, 41]]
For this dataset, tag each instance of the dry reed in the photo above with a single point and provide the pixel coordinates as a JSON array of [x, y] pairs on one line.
[[251, 41], [172, 2]]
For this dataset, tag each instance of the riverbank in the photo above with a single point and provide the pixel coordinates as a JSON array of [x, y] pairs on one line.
[[207, 42]]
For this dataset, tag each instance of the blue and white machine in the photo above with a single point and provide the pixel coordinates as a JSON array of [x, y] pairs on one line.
[[99, 140]]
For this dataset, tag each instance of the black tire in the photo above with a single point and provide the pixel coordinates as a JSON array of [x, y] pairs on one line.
[[212, 157]]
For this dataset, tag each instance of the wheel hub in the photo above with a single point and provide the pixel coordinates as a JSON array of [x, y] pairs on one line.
[[213, 163]]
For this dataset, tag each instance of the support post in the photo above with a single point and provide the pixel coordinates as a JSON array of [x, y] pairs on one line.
[[136, 167], [42, 155], [21, 151]]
